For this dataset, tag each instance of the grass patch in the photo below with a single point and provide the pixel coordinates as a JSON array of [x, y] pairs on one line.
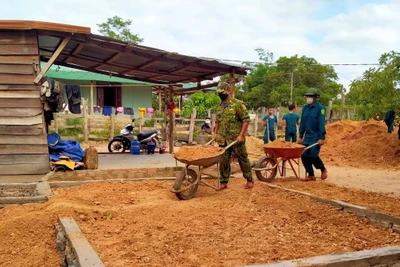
[[74, 121], [70, 131]]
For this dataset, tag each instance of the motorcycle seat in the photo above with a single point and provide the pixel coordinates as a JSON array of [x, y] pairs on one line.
[[143, 135]]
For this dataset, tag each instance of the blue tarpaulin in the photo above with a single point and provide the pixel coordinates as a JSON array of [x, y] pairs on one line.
[[69, 148]]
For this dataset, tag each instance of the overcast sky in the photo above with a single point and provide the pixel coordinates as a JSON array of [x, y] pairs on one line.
[[331, 31]]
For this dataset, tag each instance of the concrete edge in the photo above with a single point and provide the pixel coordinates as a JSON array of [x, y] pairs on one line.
[[22, 200], [64, 184], [18, 185], [84, 252], [375, 217], [383, 256], [43, 189]]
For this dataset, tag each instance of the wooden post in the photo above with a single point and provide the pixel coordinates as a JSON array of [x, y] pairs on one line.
[[342, 107], [159, 101], [232, 83], [213, 121], [181, 103], [85, 121], [165, 115], [255, 124], [55, 122], [140, 123], [328, 113], [112, 123], [209, 113], [191, 126], [348, 114], [171, 121], [91, 112]]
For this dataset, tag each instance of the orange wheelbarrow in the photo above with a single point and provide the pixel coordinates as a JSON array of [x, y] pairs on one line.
[[275, 160]]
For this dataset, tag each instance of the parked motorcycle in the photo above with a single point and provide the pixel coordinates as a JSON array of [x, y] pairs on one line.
[[122, 142]]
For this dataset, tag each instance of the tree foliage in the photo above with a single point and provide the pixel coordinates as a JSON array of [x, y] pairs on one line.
[[201, 102], [377, 90], [269, 82], [118, 28]]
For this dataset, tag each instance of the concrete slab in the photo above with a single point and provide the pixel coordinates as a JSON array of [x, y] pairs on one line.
[[387, 256], [20, 178], [128, 161], [83, 251]]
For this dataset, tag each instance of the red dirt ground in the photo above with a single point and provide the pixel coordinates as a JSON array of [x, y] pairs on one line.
[[148, 226]]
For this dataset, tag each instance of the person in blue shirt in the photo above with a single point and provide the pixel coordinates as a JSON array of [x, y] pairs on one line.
[[290, 122], [271, 125], [312, 130]]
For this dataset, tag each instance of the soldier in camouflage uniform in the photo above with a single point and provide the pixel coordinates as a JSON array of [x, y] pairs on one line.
[[231, 125]]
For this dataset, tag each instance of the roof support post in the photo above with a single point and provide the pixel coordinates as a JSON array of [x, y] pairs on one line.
[[171, 121], [159, 101], [91, 97], [52, 59], [232, 82]]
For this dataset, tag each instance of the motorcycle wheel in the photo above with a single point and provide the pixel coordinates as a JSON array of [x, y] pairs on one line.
[[116, 146]]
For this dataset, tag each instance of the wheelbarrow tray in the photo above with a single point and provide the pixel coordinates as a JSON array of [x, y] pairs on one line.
[[285, 152], [204, 162]]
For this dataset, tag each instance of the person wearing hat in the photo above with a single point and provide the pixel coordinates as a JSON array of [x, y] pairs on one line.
[[312, 130], [231, 125]]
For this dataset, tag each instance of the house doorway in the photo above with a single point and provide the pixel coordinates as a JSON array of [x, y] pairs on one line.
[[109, 95]]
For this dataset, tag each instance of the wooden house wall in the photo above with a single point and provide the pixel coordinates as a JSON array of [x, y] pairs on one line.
[[23, 142]]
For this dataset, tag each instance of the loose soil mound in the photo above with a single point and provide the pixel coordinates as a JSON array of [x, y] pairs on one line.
[[255, 147], [148, 226], [361, 144], [191, 153], [374, 201], [282, 144]]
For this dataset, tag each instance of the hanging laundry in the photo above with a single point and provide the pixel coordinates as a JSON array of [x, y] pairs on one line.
[[128, 111], [150, 112], [107, 110], [389, 119], [120, 110], [97, 109], [74, 98]]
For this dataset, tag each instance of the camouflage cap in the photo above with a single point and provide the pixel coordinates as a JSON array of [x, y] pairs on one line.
[[223, 86]]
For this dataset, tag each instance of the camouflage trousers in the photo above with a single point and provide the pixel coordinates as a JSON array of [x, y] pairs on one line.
[[244, 162]]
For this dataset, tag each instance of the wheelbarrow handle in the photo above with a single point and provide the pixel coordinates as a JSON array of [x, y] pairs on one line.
[[209, 142], [225, 148], [231, 144], [309, 147]]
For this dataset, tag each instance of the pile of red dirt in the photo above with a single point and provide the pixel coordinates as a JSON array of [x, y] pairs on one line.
[[282, 144], [255, 147], [364, 144], [191, 153]]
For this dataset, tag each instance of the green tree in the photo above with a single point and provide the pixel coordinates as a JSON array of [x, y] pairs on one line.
[[201, 102], [118, 28], [377, 90], [270, 83]]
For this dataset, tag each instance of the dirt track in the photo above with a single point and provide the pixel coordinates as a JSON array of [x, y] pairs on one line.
[[150, 227]]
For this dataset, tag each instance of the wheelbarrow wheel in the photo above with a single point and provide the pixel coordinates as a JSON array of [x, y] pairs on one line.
[[269, 174], [186, 180]]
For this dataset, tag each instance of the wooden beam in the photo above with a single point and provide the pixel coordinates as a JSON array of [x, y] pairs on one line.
[[78, 49], [115, 57], [134, 50], [171, 121], [159, 100], [52, 59], [91, 97], [232, 82]]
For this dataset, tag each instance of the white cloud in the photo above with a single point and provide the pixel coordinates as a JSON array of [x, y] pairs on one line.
[[351, 32]]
